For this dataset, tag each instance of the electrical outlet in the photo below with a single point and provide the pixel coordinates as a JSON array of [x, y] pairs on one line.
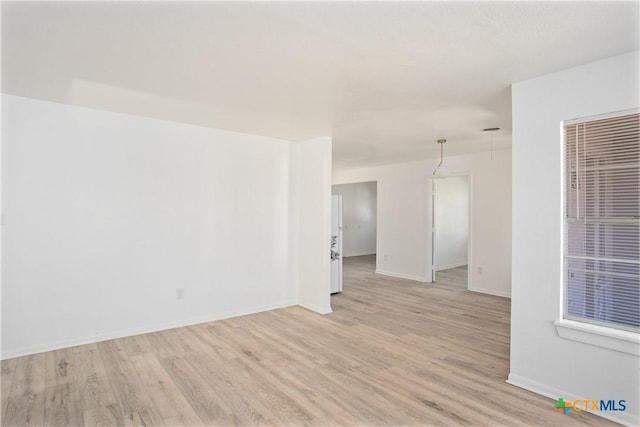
[[386, 258], [179, 293], [479, 270]]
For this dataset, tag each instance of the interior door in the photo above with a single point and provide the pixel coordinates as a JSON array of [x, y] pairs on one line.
[[336, 243]]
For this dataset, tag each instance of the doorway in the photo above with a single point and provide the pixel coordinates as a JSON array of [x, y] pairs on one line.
[[359, 221], [450, 230], [336, 243], [359, 204]]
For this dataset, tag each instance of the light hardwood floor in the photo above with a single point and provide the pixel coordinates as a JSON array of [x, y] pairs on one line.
[[452, 278], [394, 352]]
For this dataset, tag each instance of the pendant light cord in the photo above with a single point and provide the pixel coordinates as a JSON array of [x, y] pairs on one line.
[[492, 130], [441, 142]]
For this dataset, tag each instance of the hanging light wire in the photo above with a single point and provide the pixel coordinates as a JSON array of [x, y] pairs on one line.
[[441, 142], [492, 130]]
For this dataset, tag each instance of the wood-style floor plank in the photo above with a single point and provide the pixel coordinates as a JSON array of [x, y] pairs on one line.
[[393, 352], [99, 403], [7, 372], [200, 395], [63, 405], [171, 404], [133, 398], [26, 401]]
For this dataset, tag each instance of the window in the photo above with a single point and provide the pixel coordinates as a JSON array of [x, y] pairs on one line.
[[602, 221]]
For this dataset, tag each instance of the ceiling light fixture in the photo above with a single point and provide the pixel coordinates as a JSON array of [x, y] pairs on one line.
[[442, 169], [492, 130]]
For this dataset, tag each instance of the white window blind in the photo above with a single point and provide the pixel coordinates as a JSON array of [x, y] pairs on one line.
[[602, 221]]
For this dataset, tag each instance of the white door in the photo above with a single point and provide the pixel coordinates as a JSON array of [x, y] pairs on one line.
[[336, 243]]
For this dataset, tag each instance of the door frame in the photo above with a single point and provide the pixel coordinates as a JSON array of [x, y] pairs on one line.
[[339, 240], [431, 271]]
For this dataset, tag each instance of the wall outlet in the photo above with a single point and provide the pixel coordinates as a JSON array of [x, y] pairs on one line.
[[179, 293], [479, 270], [386, 258]]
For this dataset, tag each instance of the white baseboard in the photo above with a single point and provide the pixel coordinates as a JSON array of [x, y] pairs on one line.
[[317, 309], [448, 266], [625, 418], [56, 345], [402, 276], [491, 292], [358, 254]]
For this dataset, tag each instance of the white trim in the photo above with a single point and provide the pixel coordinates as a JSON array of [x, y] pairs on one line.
[[600, 336], [626, 418], [470, 263], [41, 348], [402, 276], [448, 266], [359, 254], [316, 308], [601, 116], [431, 269], [589, 333], [493, 292]]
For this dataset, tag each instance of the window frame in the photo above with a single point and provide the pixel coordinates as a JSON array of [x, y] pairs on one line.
[[590, 331]]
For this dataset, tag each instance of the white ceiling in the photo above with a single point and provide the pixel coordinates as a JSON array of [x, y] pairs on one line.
[[384, 79]]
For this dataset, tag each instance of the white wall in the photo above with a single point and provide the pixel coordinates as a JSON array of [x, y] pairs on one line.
[[108, 217], [1, 227], [451, 211], [404, 217], [359, 216], [314, 225], [540, 360]]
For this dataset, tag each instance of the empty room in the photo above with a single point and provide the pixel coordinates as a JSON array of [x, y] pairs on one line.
[[320, 213]]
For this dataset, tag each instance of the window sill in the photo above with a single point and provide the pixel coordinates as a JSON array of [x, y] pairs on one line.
[[613, 339]]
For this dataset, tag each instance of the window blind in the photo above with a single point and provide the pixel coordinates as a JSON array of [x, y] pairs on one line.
[[602, 221]]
